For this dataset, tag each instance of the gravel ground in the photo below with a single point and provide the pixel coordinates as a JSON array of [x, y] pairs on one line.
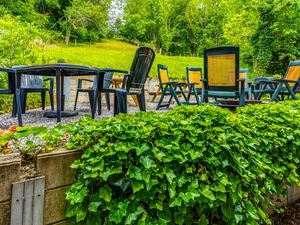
[[35, 117]]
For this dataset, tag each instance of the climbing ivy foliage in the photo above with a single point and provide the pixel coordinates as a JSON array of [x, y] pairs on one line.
[[191, 165]]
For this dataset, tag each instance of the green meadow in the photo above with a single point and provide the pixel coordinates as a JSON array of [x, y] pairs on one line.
[[112, 54]]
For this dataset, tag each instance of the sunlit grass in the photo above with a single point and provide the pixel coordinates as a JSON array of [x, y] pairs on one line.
[[113, 54]]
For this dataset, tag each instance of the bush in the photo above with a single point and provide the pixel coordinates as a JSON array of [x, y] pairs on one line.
[[192, 165]]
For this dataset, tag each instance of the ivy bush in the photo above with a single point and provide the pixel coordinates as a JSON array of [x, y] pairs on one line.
[[191, 165]]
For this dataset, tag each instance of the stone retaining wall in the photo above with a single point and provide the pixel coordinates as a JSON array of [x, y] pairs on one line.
[[59, 176]]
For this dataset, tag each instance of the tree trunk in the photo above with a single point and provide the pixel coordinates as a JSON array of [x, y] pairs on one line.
[[68, 35]]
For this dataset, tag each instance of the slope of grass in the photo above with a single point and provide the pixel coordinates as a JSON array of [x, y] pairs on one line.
[[113, 54]]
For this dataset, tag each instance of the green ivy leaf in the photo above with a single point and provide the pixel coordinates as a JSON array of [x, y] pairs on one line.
[[93, 206], [105, 193], [136, 185], [132, 217], [208, 193], [135, 172], [203, 220]]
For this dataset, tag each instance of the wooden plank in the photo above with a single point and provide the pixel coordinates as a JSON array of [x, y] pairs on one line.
[[17, 204], [38, 201], [28, 203]]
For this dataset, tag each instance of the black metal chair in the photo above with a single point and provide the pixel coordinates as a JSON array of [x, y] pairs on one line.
[[133, 83], [10, 89], [221, 74], [91, 91]]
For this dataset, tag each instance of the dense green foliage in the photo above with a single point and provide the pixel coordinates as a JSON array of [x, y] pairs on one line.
[[191, 165], [266, 30]]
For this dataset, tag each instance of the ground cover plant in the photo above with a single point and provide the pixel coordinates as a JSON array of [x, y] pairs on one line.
[[192, 165]]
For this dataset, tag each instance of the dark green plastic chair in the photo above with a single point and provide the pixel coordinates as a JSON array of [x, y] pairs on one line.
[[168, 88], [286, 86], [134, 82], [244, 73], [194, 78], [91, 91], [221, 74], [10, 87]]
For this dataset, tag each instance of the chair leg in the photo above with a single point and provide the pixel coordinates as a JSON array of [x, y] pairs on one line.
[[51, 99], [197, 97], [14, 108], [43, 96], [142, 102], [23, 100], [122, 102], [161, 98], [99, 104], [76, 99], [107, 98], [91, 98], [116, 109]]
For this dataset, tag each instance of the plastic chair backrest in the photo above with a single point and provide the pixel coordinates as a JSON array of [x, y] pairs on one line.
[[293, 72], [107, 80], [8, 87], [244, 73], [30, 81], [194, 75], [140, 68], [163, 75], [221, 69]]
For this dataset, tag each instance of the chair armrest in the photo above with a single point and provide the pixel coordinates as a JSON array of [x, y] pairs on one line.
[[81, 80], [193, 83], [241, 80], [51, 80], [170, 82], [286, 81]]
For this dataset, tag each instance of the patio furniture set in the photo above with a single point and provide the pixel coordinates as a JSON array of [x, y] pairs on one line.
[[223, 79]]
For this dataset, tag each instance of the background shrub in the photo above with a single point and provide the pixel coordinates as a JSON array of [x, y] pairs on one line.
[[192, 165]]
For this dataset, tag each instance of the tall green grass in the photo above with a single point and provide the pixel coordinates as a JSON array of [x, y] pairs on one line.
[[112, 54]]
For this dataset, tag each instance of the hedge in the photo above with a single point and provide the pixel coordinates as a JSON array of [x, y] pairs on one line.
[[191, 165]]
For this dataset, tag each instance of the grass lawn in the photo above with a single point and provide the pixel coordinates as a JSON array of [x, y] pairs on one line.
[[113, 54]]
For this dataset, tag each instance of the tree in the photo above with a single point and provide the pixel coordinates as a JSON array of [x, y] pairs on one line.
[[86, 15], [276, 41], [17, 40]]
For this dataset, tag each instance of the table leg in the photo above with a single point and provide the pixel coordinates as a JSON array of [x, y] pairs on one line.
[[18, 98], [58, 95], [62, 93], [99, 86]]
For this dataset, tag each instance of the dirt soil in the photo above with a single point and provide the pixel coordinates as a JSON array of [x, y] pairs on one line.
[[291, 215]]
